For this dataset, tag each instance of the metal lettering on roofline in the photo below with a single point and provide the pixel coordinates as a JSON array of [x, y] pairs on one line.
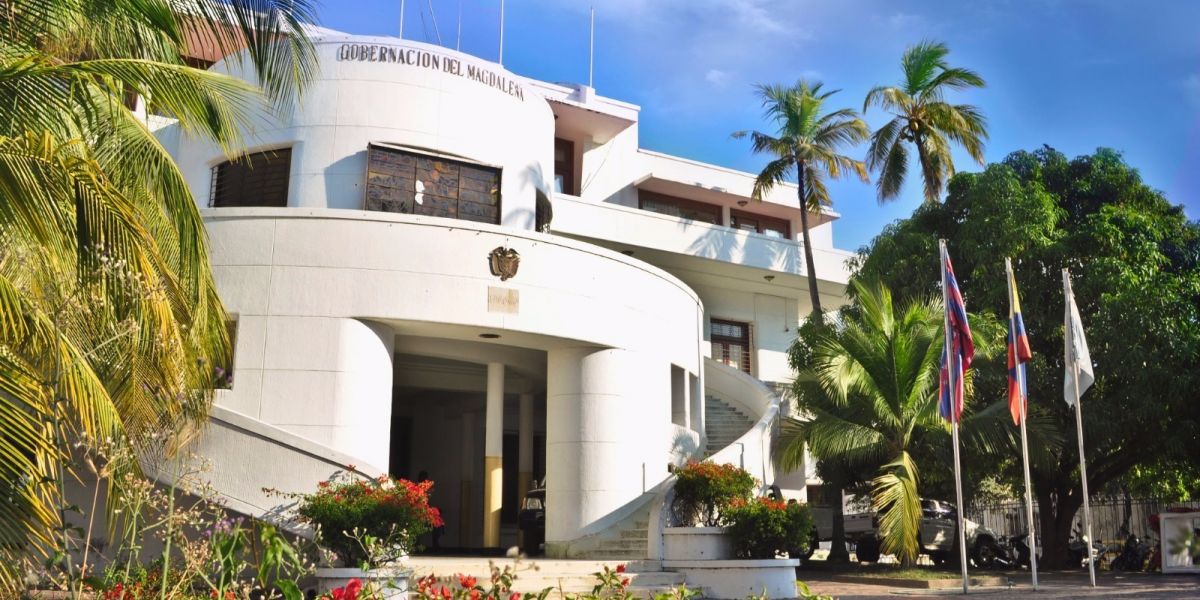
[[433, 61]]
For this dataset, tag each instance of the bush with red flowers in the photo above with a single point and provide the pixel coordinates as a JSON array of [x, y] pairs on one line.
[[764, 527], [368, 522], [703, 489]]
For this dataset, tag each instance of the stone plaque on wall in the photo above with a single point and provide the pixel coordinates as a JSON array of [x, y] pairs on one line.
[[403, 181], [504, 300]]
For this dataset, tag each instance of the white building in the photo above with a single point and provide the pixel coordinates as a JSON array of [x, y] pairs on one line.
[[646, 322]]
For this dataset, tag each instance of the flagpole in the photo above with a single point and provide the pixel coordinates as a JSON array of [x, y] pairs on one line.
[[1087, 507], [952, 388], [1012, 327]]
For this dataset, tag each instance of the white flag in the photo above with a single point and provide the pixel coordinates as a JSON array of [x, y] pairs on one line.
[[1076, 357]]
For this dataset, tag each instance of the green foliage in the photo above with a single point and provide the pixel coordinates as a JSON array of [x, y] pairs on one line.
[[110, 323], [807, 143], [866, 384], [369, 521], [704, 489], [1135, 265], [763, 527], [922, 117], [807, 594]]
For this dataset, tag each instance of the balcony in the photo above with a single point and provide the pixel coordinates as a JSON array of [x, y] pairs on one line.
[[638, 228]]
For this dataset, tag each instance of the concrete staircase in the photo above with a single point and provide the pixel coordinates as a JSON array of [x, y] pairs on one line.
[[723, 423], [534, 575], [631, 543]]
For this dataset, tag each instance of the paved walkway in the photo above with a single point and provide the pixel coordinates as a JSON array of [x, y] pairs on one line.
[[1150, 586]]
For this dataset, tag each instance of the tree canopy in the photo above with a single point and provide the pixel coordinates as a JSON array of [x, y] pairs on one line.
[[1135, 265]]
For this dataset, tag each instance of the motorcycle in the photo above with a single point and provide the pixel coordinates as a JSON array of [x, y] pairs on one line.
[[1079, 551], [1133, 555], [1014, 552]]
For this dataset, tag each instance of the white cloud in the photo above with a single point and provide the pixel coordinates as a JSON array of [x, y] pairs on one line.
[[717, 77], [1191, 89]]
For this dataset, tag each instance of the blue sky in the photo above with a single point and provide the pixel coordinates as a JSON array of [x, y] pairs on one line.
[[1072, 74]]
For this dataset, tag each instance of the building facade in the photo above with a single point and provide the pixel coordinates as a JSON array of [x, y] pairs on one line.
[[440, 269]]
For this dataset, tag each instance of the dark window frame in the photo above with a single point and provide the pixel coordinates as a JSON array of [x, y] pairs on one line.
[[761, 223], [745, 341], [566, 168], [392, 174], [681, 203], [244, 182]]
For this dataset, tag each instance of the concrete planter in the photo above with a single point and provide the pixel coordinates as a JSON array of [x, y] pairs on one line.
[[391, 582], [696, 543], [737, 579]]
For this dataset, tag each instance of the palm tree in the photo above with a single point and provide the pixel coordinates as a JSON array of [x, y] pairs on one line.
[[922, 116], [869, 389], [110, 325], [807, 142]]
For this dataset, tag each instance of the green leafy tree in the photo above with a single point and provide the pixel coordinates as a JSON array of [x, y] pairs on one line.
[[1135, 264], [806, 143], [111, 329], [921, 116], [869, 394]]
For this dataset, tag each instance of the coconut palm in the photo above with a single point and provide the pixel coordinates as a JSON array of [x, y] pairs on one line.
[[806, 144], [921, 116], [110, 324], [869, 389]]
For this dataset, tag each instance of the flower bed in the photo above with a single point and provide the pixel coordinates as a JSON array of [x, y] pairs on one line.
[[764, 527], [370, 522], [702, 490]]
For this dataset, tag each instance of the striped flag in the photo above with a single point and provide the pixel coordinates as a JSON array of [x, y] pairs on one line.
[[1018, 352], [961, 348]]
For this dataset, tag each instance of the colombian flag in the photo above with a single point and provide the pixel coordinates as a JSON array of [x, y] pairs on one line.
[[1018, 352]]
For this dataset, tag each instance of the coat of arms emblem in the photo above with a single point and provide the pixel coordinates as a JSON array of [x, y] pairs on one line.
[[504, 262]]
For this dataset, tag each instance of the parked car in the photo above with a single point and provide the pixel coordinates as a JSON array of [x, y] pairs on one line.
[[935, 536], [531, 520]]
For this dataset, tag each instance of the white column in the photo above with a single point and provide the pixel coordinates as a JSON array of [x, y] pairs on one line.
[[608, 413], [330, 380], [493, 455]]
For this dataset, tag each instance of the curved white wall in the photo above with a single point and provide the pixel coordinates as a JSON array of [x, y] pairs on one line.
[[354, 102], [321, 293]]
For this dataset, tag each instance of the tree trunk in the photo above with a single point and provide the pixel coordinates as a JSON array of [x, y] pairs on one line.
[[813, 294], [837, 552], [1055, 521], [837, 546]]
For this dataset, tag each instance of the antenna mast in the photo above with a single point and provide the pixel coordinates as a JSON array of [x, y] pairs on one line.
[[591, 43]]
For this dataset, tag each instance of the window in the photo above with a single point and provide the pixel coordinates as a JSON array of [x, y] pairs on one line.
[[223, 372], [731, 343], [768, 226], [259, 179], [402, 181], [679, 207], [564, 167]]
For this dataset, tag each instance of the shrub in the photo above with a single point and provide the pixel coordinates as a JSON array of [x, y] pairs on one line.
[[367, 522], [703, 489], [763, 527]]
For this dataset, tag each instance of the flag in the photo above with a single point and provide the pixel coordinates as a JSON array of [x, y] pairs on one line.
[[961, 348], [1076, 358], [1018, 352]]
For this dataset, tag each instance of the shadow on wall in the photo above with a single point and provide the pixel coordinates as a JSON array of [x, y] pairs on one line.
[[524, 218], [730, 245]]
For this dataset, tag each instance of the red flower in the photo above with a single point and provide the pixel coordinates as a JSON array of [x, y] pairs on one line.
[[467, 582], [352, 589], [446, 592], [625, 582], [515, 596], [474, 594], [621, 568]]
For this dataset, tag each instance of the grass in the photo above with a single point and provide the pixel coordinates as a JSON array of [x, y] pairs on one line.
[[919, 573]]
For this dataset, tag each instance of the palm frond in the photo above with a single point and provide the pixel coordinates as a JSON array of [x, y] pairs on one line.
[[895, 498]]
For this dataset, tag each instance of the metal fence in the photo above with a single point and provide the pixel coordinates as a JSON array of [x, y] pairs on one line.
[[1108, 516]]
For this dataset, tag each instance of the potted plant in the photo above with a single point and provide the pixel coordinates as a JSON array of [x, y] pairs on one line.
[[369, 526]]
